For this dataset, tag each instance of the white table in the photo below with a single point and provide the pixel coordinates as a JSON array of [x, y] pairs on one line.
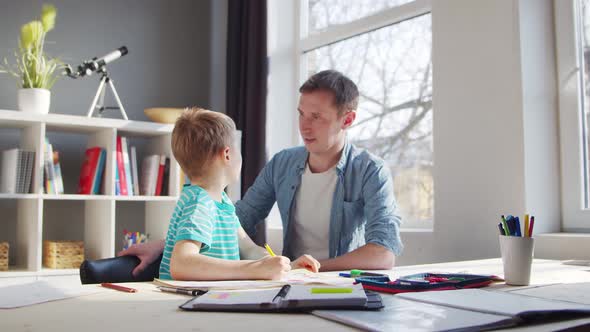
[[152, 310]]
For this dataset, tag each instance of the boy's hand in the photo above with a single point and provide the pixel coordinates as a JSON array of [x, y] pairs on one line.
[[273, 267], [306, 262]]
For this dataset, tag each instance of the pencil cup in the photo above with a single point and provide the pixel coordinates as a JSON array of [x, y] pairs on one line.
[[517, 257]]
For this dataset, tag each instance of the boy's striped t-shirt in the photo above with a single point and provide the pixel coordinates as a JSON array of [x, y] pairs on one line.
[[197, 217]]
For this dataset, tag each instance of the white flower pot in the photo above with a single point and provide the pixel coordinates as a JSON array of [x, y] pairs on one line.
[[34, 100]]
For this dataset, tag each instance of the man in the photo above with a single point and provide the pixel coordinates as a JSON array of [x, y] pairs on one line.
[[336, 201]]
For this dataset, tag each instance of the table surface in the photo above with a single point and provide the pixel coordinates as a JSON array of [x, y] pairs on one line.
[[150, 309]]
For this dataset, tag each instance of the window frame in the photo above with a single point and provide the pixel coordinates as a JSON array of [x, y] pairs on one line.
[[288, 41], [331, 35], [570, 85]]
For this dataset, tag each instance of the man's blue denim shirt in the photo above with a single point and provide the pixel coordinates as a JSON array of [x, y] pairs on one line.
[[363, 208]]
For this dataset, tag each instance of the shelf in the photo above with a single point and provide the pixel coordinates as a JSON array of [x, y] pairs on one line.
[[18, 196], [147, 198], [75, 197], [98, 220], [83, 124]]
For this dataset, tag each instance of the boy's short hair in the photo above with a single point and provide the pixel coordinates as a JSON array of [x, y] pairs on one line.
[[197, 136], [346, 93]]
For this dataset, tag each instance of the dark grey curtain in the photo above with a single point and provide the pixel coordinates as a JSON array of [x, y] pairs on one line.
[[247, 86]]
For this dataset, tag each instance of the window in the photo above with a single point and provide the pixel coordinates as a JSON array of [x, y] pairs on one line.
[[324, 14], [584, 42], [385, 48], [572, 31]]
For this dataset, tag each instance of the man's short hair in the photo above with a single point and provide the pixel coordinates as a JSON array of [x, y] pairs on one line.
[[197, 136], [346, 93]]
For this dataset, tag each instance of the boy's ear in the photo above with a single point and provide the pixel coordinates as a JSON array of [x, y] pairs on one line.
[[226, 153]]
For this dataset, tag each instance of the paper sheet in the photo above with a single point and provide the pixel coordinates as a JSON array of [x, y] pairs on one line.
[[405, 315], [294, 277], [576, 292], [501, 303], [22, 295]]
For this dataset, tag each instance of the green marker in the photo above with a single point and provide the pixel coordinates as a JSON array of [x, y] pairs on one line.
[[332, 290]]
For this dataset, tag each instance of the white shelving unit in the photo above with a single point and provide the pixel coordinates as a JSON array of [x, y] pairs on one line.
[[100, 211]]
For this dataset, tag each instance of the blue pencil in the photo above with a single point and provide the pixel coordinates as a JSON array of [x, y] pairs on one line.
[[517, 224]]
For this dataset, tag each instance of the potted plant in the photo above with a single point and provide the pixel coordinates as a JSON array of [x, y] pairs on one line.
[[35, 71]]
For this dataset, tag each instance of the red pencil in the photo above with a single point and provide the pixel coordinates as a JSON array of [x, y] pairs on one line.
[[531, 226], [118, 287]]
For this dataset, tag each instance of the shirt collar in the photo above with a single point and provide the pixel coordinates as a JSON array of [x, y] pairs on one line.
[[340, 166]]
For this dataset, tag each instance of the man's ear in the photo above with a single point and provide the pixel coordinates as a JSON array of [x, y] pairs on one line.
[[348, 119]]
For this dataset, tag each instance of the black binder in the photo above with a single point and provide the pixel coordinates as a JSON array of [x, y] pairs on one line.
[[289, 298]]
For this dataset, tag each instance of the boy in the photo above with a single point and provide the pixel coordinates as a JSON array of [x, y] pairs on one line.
[[205, 240]]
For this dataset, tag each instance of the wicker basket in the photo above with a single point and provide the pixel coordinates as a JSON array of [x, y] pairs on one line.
[[63, 254], [4, 256]]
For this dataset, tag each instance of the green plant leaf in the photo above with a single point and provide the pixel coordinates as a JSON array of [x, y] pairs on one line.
[[33, 68], [30, 34], [48, 15]]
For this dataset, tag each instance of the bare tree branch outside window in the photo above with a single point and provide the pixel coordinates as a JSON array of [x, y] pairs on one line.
[[392, 67]]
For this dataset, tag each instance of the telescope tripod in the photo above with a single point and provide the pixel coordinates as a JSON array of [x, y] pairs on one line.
[[100, 97]]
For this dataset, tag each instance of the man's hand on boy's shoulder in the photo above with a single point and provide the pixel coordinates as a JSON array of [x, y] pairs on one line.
[[306, 262]]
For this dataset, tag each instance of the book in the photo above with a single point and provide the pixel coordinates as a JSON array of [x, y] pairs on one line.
[[121, 169], [59, 184], [88, 170], [464, 309], [29, 172], [134, 171], [285, 299], [149, 174], [8, 177], [127, 165], [97, 177], [293, 277], [166, 178], [160, 178], [20, 172], [49, 173]]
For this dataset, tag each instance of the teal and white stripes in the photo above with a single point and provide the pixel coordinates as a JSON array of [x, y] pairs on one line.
[[197, 217]]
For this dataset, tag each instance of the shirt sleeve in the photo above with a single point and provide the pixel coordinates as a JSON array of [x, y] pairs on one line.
[[197, 224], [383, 221], [258, 201]]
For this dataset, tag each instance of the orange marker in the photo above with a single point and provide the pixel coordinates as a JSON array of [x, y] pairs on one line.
[[118, 287]]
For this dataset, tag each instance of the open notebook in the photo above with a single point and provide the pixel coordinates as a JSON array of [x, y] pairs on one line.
[[285, 299], [462, 310], [294, 277]]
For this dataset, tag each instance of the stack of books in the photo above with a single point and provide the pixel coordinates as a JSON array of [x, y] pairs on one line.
[[17, 171], [126, 174], [155, 175], [92, 171]]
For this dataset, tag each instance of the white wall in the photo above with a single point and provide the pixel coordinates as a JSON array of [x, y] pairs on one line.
[[495, 130]]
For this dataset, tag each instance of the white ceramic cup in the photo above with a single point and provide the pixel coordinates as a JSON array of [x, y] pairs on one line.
[[517, 258]]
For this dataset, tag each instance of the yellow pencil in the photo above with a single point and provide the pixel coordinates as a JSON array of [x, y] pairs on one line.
[[269, 250], [526, 225]]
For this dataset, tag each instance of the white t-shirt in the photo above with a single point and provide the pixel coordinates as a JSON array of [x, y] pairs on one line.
[[313, 205]]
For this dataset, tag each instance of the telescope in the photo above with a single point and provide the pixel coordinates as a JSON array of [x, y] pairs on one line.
[[99, 66], [96, 64]]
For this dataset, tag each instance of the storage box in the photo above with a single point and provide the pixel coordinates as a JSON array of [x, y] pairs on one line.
[[4, 256], [63, 254]]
